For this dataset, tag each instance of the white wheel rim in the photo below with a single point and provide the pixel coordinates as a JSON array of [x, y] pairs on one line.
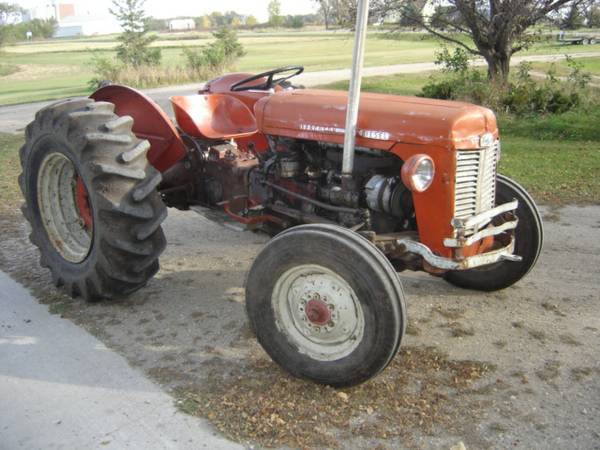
[[64, 226], [318, 312]]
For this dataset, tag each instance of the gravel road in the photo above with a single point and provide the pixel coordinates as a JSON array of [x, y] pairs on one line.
[[187, 329]]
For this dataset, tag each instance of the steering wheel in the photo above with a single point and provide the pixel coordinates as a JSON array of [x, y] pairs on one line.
[[271, 80]]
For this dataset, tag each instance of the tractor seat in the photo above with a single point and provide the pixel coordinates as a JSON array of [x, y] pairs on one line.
[[213, 116]]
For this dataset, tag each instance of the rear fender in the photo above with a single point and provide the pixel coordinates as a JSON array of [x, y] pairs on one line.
[[149, 122]]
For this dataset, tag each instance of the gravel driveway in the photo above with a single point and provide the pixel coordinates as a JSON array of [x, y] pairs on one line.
[[530, 355]]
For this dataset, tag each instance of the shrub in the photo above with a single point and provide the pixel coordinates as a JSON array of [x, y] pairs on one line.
[[200, 64], [134, 48], [521, 96], [105, 69], [216, 56]]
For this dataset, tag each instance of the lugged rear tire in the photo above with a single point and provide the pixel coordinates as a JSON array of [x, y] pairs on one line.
[[80, 142]]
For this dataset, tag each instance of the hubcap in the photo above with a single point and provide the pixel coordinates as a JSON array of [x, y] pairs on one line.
[[318, 312], [64, 207]]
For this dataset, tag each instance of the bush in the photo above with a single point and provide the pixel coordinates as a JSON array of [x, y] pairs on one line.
[[521, 96], [216, 56], [201, 63], [40, 29]]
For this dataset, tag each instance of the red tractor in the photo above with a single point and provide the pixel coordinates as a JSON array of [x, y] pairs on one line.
[[323, 296], [416, 189]]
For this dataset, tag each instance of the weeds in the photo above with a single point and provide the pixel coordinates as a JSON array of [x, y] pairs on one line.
[[201, 64], [521, 96]]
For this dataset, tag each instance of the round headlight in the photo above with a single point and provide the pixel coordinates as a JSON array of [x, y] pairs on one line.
[[417, 173]]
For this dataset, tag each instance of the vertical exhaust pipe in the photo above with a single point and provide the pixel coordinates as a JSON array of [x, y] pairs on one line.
[[358, 54]]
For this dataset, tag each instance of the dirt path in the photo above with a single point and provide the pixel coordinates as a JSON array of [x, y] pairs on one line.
[[14, 118], [514, 369]]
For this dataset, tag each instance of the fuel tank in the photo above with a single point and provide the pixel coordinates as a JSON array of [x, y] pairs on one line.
[[383, 121]]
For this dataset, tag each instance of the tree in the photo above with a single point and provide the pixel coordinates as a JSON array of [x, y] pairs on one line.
[[294, 21], [134, 48], [275, 17], [497, 28], [573, 20], [203, 22], [251, 21], [442, 15], [593, 17], [6, 29], [344, 12], [218, 19], [326, 9]]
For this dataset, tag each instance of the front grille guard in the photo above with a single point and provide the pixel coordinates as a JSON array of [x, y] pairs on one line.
[[460, 240]]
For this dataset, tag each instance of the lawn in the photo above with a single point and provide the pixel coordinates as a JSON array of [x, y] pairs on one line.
[[54, 69], [589, 65], [60, 67], [10, 194]]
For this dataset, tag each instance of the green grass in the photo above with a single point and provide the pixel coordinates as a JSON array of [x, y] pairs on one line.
[[590, 65], [400, 84], [8, 69], [555, 172], [59, 67], [9, 170]]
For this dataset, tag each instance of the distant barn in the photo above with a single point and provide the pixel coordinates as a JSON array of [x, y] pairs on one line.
[[182, 24]]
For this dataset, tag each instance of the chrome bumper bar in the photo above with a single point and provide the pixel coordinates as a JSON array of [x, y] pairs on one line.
[[476, 222], [459, 240], [501, 254]]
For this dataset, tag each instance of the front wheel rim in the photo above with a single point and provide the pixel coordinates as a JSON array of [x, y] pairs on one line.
[[318, 312], [59, 209]]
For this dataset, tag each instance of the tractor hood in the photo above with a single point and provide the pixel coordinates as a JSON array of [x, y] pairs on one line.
[[383, 120]]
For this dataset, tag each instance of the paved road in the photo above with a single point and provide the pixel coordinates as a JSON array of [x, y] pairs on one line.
[[14, 118], [61, 388]]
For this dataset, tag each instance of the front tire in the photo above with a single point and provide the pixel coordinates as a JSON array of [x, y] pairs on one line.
[[529, 238], [90, 199], [326, 305]]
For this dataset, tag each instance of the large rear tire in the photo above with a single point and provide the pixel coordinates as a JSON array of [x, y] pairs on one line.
[[90, 197], [326, 305], [529, 238]]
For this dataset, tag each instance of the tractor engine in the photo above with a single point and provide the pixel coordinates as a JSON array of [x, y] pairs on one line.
[[300, 182]]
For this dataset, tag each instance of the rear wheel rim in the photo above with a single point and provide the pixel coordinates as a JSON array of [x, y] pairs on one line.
[[318, 312], [60, 209]]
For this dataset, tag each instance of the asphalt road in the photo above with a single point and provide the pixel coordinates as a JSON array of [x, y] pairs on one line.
[[14, 118]]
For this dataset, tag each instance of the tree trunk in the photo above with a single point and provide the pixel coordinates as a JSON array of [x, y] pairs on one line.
[[498, 66]]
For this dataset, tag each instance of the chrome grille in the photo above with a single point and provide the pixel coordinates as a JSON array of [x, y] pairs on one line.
[[475, 183]]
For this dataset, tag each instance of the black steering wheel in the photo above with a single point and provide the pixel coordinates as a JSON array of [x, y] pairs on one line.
[[271, 80]]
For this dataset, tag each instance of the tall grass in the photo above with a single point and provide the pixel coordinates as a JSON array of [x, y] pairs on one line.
[[201, 64]]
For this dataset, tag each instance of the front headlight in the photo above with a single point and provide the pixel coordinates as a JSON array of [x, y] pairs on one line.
[[417, 172], [486, 140]]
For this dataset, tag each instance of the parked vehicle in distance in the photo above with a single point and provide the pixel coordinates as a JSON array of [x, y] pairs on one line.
[[576, 40]]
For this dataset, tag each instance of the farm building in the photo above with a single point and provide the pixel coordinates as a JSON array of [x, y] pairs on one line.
[[86, 26], [182, 24], [76, 18]]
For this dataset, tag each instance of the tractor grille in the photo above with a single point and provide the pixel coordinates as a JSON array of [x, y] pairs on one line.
[[475, 188]]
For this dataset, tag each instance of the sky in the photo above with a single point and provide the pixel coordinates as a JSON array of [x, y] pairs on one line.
[[172, 8]]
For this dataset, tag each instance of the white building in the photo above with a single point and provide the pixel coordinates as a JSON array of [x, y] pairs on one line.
[[86, 26], [77, 17], [11, 18], [182, 24]]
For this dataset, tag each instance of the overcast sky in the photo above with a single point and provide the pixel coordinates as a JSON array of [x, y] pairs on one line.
[[172, 8]]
